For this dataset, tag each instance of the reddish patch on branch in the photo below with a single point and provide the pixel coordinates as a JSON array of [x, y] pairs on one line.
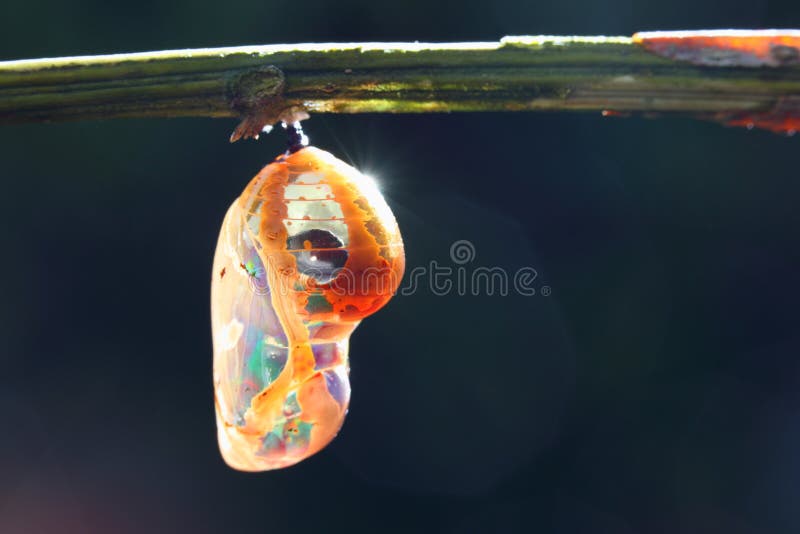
[[726, 48], [783, 118], [614, 113]]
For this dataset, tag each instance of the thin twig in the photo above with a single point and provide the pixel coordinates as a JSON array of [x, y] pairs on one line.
[[516, 73]]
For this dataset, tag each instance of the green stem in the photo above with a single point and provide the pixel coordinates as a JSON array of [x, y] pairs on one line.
[[517, 73]]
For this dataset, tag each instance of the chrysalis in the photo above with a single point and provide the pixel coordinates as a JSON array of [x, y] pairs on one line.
[[308, 250]]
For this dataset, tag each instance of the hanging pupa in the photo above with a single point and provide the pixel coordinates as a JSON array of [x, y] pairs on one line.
[[308, 250]]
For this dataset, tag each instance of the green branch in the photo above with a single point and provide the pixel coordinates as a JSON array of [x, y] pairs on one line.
[[517, 73]]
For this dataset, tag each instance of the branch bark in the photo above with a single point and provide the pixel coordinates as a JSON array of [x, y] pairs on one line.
[[516, 73]]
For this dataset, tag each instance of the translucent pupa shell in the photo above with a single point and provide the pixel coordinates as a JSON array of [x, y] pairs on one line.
[[308, 250]]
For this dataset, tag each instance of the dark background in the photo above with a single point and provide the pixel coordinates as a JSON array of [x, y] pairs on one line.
[[655, 390]]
